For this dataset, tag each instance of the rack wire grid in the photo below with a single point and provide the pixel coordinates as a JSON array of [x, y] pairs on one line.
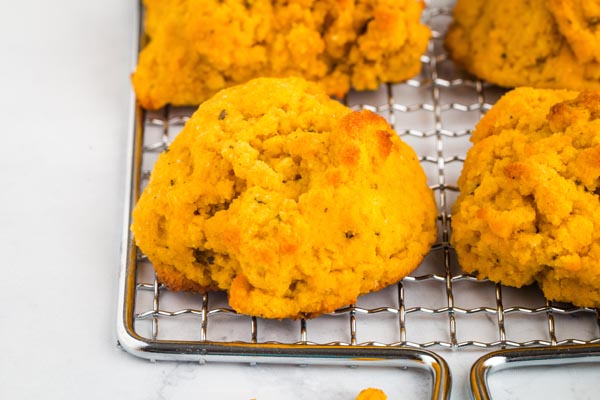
[[437, 306]]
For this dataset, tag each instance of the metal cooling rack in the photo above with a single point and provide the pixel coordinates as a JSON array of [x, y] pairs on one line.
[[436, 307]]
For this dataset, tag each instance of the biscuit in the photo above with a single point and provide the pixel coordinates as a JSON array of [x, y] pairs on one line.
[[529, 205], [197, 47], [538, 43], [286, 199]]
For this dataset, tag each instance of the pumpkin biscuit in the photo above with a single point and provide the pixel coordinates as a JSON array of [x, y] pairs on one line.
[[538, 43], [286, 199], [197, 47], [529, 205]]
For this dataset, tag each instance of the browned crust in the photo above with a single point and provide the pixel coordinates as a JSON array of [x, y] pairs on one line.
[[173, 279]]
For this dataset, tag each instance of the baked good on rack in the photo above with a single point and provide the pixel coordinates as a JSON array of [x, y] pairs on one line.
[[287, 199], [539, 43], [197, 47], [529, 203]]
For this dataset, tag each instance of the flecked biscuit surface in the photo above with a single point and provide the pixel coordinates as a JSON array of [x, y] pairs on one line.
[[286, 199], [197, 47], [539, 43], [529, 205]]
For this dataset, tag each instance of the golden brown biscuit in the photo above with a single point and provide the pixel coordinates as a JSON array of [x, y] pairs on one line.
[[286, 199], [197, 47], [529, 205], [539, 43]]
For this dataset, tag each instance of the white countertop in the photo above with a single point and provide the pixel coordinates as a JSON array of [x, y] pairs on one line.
[[64, 106]]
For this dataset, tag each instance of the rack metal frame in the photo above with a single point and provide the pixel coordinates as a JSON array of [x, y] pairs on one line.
[[434, 112]]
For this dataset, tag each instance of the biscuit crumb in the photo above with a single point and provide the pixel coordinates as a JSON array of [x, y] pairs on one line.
[[371, 394]]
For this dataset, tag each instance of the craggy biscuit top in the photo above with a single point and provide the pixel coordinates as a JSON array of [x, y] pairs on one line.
[[539, 43], [197, 47], [287, 199], [529, 206]]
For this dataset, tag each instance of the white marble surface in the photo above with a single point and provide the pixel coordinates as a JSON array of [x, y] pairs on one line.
[[64, 100]]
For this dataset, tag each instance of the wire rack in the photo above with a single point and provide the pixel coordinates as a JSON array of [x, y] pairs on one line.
[[436, 307]]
